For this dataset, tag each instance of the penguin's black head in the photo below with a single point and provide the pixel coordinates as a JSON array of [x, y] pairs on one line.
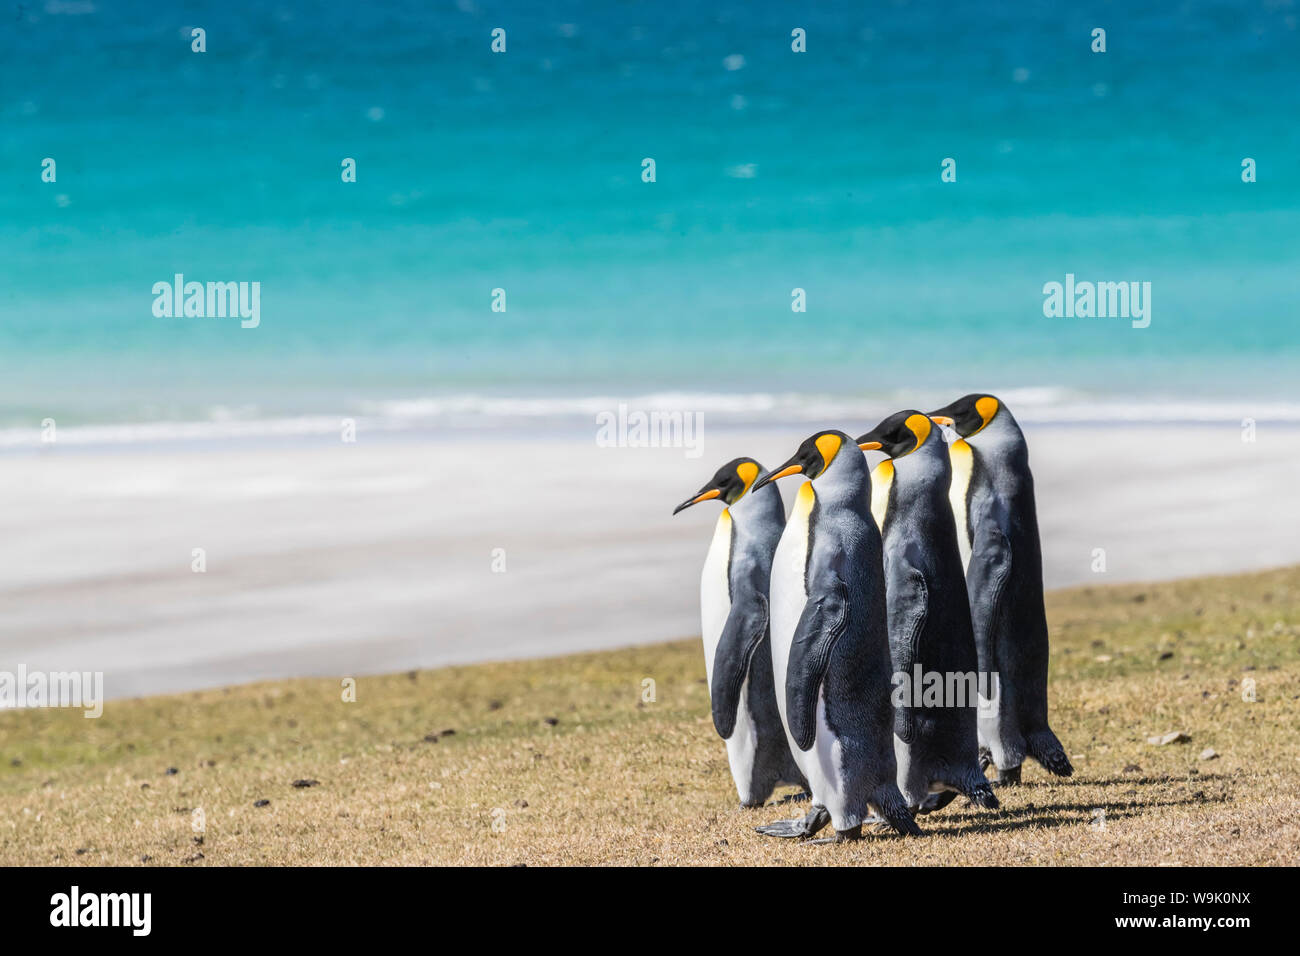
[[968, 414], [729, 484], [900, 434], [812, 459]]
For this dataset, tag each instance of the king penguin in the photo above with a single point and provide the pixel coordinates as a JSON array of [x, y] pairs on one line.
[[830, 650], [734, 625], [992, 497], [935, 737]]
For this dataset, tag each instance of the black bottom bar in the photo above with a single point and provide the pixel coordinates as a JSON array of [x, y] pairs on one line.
[[327, 906]]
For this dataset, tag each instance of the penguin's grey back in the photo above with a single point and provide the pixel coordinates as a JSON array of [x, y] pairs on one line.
[[1005, 580]]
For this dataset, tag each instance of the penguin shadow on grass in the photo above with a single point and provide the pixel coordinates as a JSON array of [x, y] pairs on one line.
[[1165, 779], [1067, 812], [967, 819], [1039, 818]]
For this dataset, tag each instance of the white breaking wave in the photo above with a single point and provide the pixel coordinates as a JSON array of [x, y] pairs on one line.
[[459, 412]]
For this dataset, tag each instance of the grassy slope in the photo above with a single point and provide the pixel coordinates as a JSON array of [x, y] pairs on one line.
[[578, 770]]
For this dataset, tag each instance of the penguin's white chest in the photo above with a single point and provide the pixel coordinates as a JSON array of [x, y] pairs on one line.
[[788, 594], [715, 590], [715, 607], [882, 479], [963, 464]]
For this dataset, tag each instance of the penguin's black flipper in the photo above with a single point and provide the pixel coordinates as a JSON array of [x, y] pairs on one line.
[[990, 570], [742, 634], [909, 608], [825, 618], [1043, 746]]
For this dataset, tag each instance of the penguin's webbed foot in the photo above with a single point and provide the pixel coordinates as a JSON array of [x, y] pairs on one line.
[[986, 759], [841, 836], [783, 829], [800, 828]]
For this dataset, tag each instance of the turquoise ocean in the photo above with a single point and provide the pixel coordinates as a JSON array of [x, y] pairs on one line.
[[775, 170]]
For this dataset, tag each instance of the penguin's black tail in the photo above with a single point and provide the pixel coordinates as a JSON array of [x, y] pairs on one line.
[[893, 808], [1043, 746], [980, 793]]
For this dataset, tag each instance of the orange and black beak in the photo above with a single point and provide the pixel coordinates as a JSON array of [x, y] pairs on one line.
[[706, 493], [791, 467], [729, 484], [871, 441]]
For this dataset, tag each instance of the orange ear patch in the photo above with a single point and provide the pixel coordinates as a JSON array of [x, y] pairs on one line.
[[747, 471], [986, 408], [920, 426], [829, 446]]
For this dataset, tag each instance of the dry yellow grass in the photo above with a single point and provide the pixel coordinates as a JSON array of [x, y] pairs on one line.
[[561, 762]]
